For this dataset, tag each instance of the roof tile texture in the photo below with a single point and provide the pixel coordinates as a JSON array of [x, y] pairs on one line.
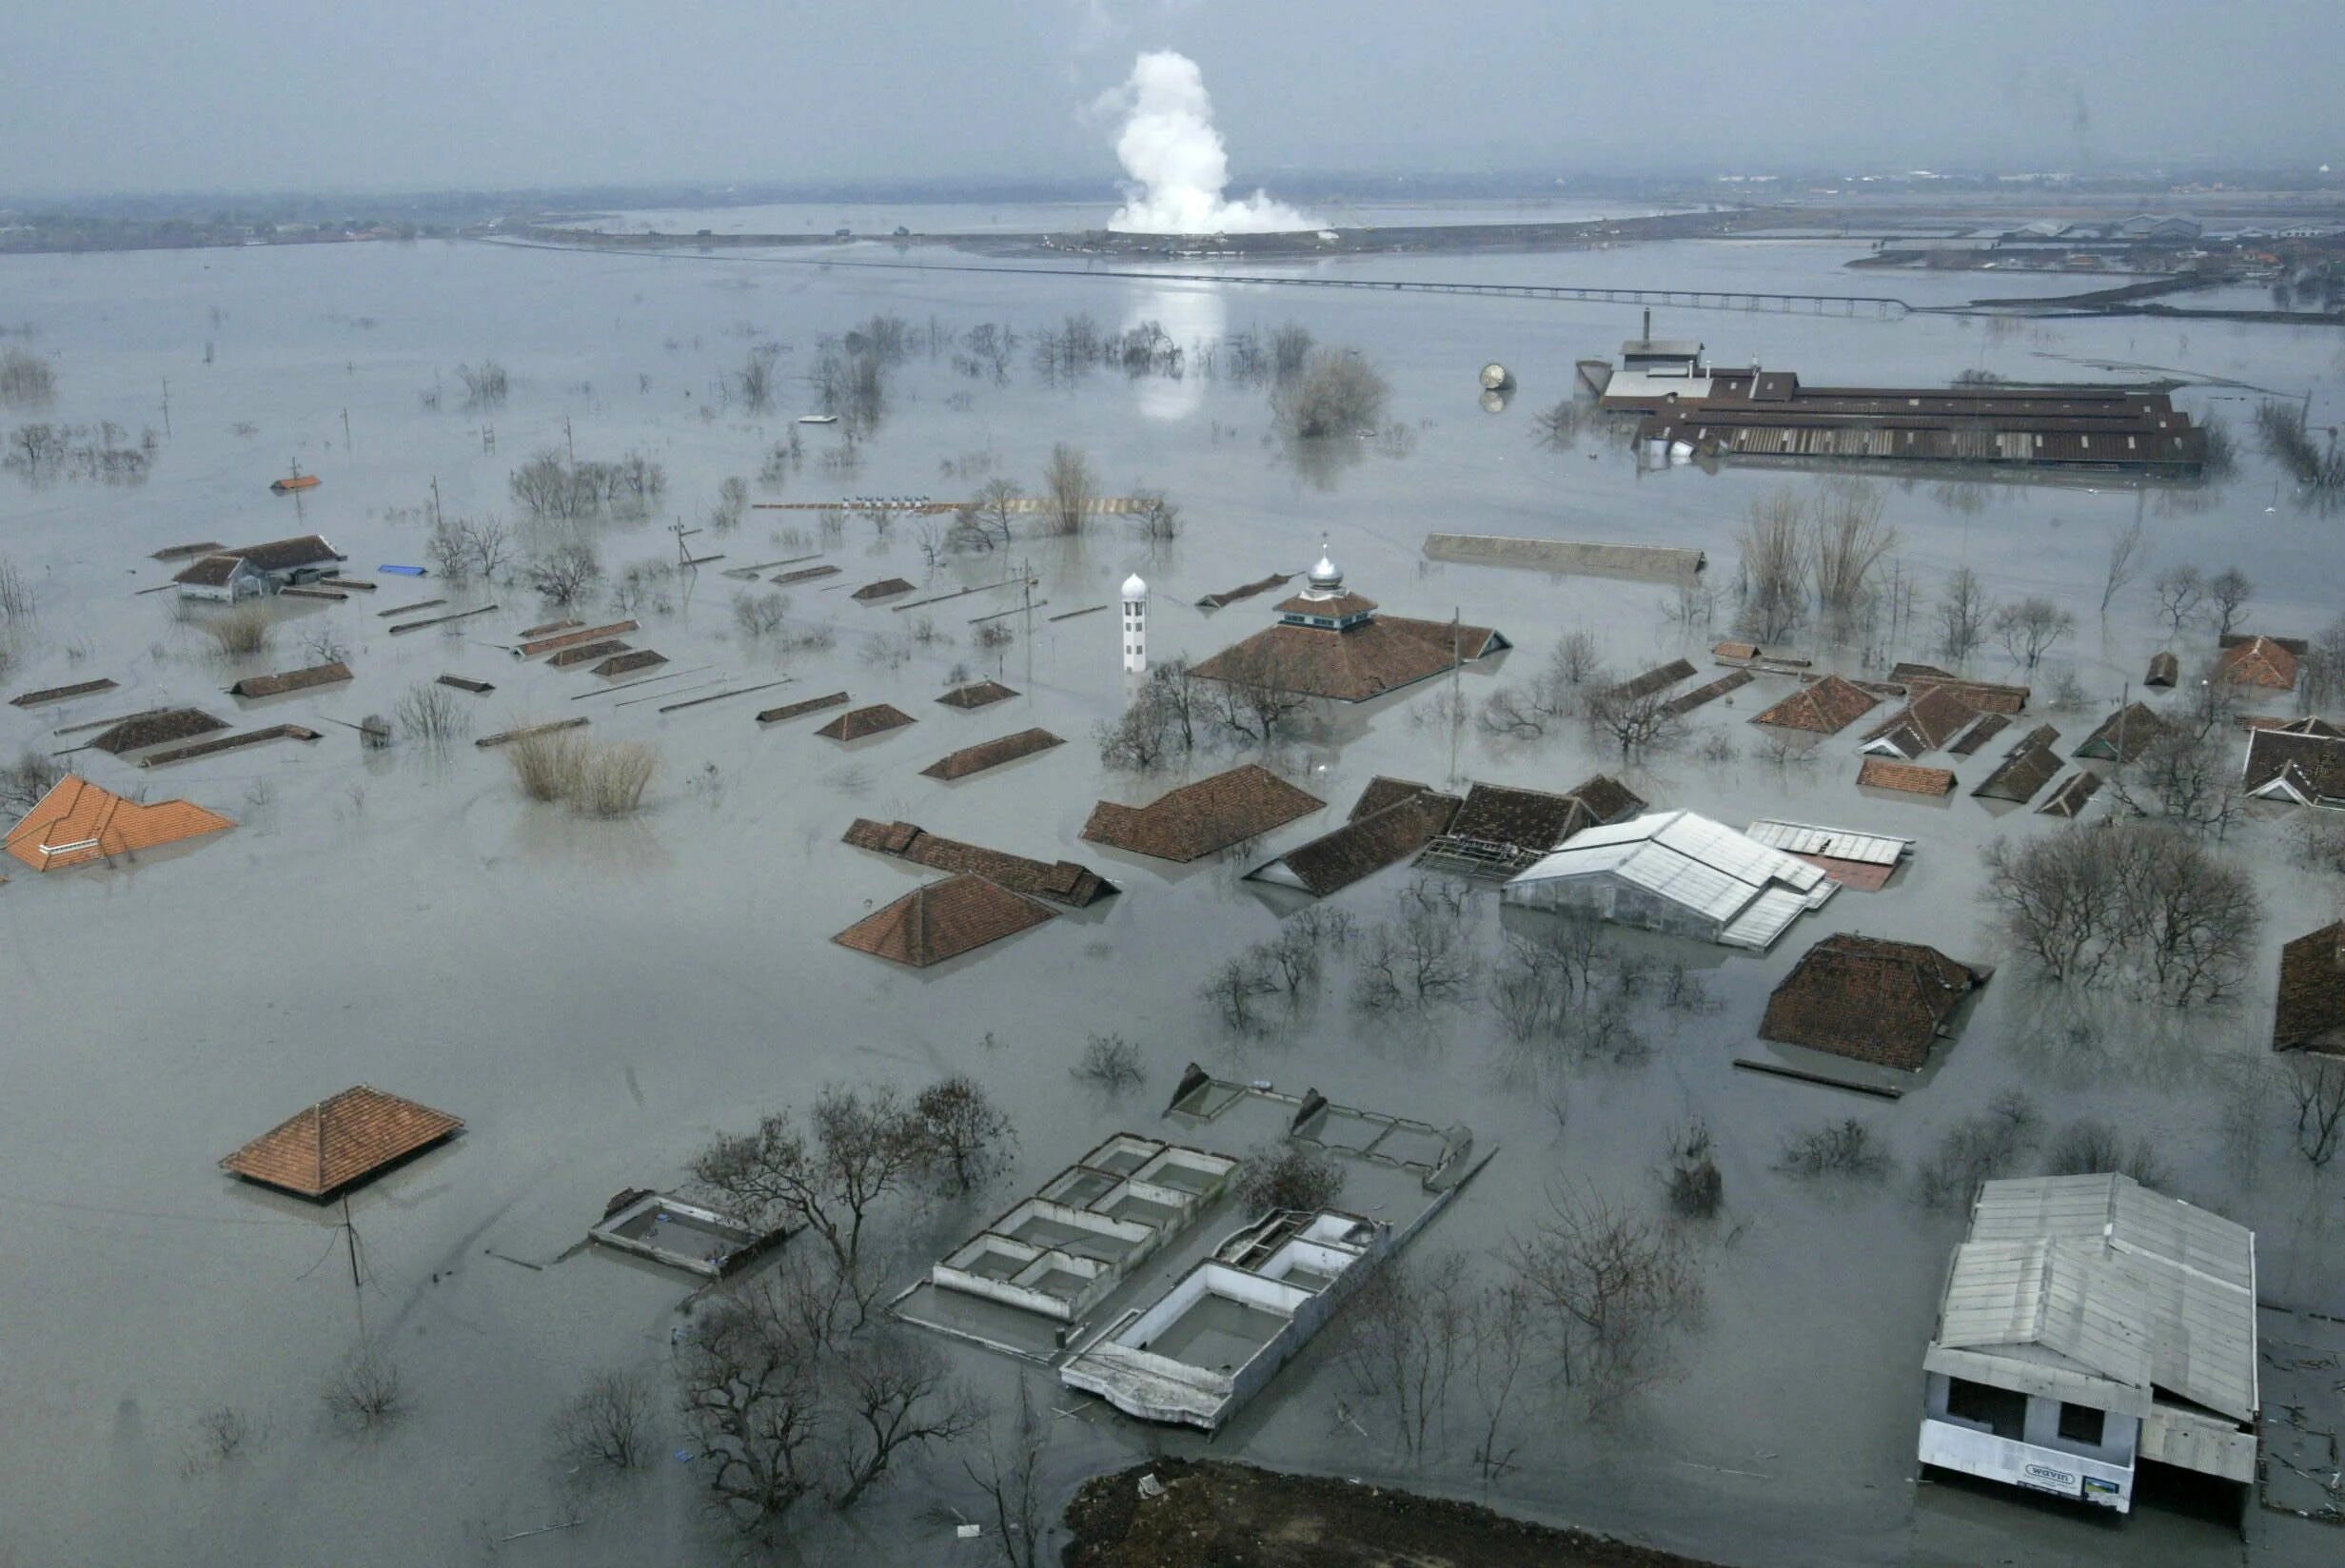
[[992, 754], [858, 722], [1873, 1000], [1826, 707], [78, 822], [1197, 819], [1369, 660], [942, 920], [340, 1141], [1881, 773], [2310, 1015]]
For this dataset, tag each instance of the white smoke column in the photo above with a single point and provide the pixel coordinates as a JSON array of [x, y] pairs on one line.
[[1176, 158]]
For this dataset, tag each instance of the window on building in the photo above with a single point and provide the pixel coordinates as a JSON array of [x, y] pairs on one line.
[[2002, 1411], [2082, 1424]]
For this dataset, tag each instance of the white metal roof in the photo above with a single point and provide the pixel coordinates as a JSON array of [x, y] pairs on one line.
[[1833, 843], [1631, 381], [2084, 1266], [1687, 859]]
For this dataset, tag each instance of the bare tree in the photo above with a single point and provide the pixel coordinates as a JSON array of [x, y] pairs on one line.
[[1157, 518], [1011, 1482], [2316, 1084], [2180, 590], [1249, 696], [366, 1390], [1636, 722], [2028, 628], [432, 715], [2228, 595], [1233, 989], [1069, 488], [2128, 551], [2088, 1146], [1964, 610], [895, 1395], [1613, 1290], [1848, 541], [1696, 1188], [1977, 1149], [565, 574], [1163, 716], [1109, 1062], [1775, 564], [1421, 954], [2320, 681], [755, 380], [2186, 775], [1556, 693], [1846, 1147], [2126, 902], [607, 1425], [1287, 1176], [1408, 1334], [748, 1381], [971, 1140], [1334, 393]]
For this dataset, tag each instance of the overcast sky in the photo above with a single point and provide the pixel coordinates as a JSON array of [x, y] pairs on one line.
[[161, 95]]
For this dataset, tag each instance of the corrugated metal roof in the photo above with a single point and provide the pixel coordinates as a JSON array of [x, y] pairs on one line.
[[1838, 843], [1687, 859], [2185, 1277]]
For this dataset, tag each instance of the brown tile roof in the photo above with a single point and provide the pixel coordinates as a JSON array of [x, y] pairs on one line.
[[2026, 768], [1531, 820], [1607, 799], [535, 646], [1826, 706], [2311, 724], [1060, 881], [1873, 1000], [2313, 765], [1988, 727], [208, 572], [154, 729], [1881, 773], [1736, 650], [2164, 670], [1381, 792], [942, 920], [2258, 662], [1197, 819], [2073, 792], [543, 627], [992, 754], [286, 555], [586, 652], [340, 1141], [59, 694], [808, 573], [292, 680], [77, 822], [2310, 1015], [884, 588], [475, 687], [1658, 678], [858, 722], [1376, 657], [1333, 609], [1364, 845], [2140, 724], [1215, 602], [981, 695], [2295, 645], [1926, 723], [800, 710], [225, 743], [1686, 702], [621, 664]]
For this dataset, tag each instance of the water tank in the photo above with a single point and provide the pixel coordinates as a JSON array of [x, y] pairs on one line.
[[1497, 377]]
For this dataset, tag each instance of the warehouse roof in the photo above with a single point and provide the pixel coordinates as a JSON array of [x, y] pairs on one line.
[[1692, 861]]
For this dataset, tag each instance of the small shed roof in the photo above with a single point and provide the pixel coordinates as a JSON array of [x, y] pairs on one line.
[[983, 693], [2026, 768], [941, 920], [2310, 1014], [154, 729], [77, 821], [1870, 999], [1060, 881], [339, 1141], [292, 680], [992, 754], [1881, 773], [884, 588], [858, 722], [1197, 819], [1826, 707]]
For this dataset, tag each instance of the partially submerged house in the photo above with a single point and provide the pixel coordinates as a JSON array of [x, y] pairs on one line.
[[1822, 707], [1879, 773], [940, 920], [2259, 662], [1678, 873], [1987, 697], [2310, 1012], [339, 1141], [2072, 794], [858, 723], [992, 754], [1387, 827], [2302, 763], [227, 576], [1060, 881], [1196, 819], [331, 673], [1860, 861], [1500, 829], [2090, 1324], [983, 693], [2124, 736], [2027, 767], [1869, 999], [1331, 642], [221, 580], [2164, 670], [668, 1230], [77, 822], [1208, 1344], [1932, 720], [156, 727]]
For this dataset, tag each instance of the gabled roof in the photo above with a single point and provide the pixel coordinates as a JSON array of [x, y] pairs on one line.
[[1381, 792], [1531, 820], [1826, 707], [291, 680], [1925, 724], [627, 663], [1988, 727], [1363, 846], [1987, 696], [1906, 777], [884, 588], [992, 754], [799, 710], [1658, 678], [1197, 819], [286, 555], [941, 920], [858, 722], [2259, 662], [153, 729], [2026, 768], [2164, 669], [1378, 656], [1060, 881], [2310, 1015], [76, 821], [2072, 794], [339, 1141], [981, 695], [1607, 799], [61, 694], [2136, 725], [1688, 860], [1863, 997], [209, 571], [2293, 765]]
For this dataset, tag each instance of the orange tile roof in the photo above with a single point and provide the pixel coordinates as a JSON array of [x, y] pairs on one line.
[[993, 754], [77, 821], [339, 1141], [2259, 662], [1827, 707], [1881, 774], [941, 920]]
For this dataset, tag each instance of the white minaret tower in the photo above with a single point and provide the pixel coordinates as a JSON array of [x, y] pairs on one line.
[[1135, 625]]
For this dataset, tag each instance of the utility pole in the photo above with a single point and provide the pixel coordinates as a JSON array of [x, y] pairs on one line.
[[167, 405], [1026, 591], [570, 440], [1457, 685], [345, 430], [435, 500], [683, 557]]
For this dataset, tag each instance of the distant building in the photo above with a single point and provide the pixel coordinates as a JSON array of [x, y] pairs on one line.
[[221, 580], [1677, 873], [2090, 1324]]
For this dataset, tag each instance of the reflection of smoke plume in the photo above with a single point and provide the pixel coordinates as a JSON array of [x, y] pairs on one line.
[[1176, 158]]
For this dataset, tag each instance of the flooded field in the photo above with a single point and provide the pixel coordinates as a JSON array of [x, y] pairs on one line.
[[596, 999]]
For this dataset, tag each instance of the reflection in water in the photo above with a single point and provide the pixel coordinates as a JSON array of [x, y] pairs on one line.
[[1194, 319]]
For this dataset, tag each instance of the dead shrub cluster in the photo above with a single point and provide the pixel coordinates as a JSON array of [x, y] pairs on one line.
[[598, 778]]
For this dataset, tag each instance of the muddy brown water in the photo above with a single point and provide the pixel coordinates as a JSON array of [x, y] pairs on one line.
[[596, 999]]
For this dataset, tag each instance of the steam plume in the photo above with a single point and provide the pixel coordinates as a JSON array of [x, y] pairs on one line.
[[1178, 166]]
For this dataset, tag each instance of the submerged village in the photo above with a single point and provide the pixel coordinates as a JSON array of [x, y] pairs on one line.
[[899, 919]]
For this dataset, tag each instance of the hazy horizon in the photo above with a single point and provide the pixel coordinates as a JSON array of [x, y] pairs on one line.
[[434, 96]]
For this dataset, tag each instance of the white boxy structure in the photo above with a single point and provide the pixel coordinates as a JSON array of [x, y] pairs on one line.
[[2090, 1324], [1135, 625], [1209, 1343], [1679, 872]]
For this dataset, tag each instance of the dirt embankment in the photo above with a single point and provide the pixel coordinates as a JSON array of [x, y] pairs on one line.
[[1217, 1515]]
